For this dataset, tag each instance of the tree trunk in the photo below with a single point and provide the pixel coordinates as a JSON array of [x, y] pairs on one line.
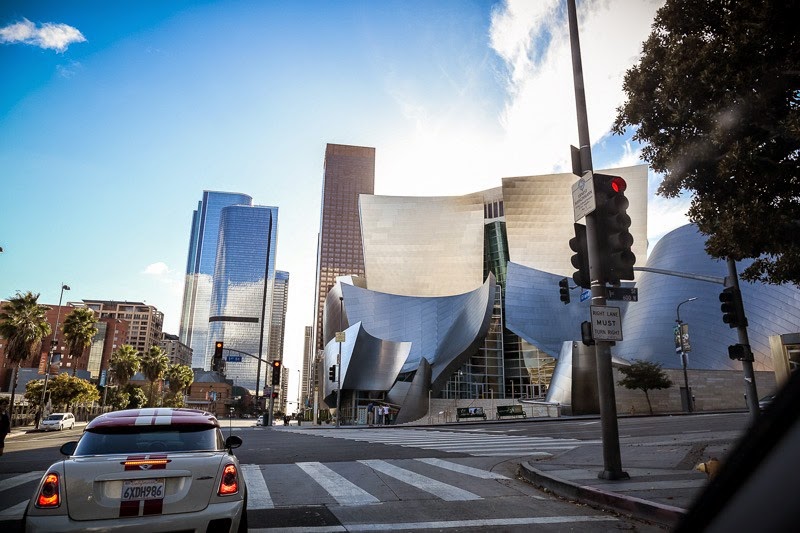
[[13, 391], [650, 407]]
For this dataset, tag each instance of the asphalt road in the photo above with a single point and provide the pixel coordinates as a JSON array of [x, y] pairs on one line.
[[455, 477]]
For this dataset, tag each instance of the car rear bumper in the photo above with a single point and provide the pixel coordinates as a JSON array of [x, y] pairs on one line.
[[156, 523]]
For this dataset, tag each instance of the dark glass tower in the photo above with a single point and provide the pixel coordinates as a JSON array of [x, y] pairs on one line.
[[349, 172]]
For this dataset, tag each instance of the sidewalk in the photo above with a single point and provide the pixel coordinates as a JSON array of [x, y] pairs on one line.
[[662, 482]]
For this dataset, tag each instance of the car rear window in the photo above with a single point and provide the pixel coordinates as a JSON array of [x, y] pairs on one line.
[[149, 439]]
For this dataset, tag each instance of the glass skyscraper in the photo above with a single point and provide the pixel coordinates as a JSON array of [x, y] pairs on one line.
[[230, 277]]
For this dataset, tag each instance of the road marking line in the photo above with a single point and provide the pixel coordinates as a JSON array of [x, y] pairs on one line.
[[258, 496], [462, 469], [343, 490], [21, 479], [437, 488], [16, 511], [444, 524]]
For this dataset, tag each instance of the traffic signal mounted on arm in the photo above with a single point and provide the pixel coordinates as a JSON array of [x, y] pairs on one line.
[[276, 372], [612, 223], [563, 289], [332, 373], [580, 260], [732, 307], [216, 363]]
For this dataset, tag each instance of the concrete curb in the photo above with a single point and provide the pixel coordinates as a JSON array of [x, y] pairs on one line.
[[665, 515]]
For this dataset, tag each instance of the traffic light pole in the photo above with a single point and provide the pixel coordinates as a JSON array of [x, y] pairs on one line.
[[747, 365], [612, 460]]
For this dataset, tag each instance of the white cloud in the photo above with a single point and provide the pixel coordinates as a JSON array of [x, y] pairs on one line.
[[158, 269], [49, 35]]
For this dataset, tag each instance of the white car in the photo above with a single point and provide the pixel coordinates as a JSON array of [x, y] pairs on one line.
[[58, 421], [144, 470]]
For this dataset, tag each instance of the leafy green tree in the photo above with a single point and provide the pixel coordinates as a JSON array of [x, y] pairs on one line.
[[79, 329], [124, 364], [136, 396], [23, 323], [66, 390], [118, 397], [154, 366], [33, 392], [179, 377], [644, 376], [715, 99]]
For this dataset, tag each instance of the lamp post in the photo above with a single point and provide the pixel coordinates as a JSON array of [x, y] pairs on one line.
[[689, 402], [53, 344], [339, 365], [299, 378]]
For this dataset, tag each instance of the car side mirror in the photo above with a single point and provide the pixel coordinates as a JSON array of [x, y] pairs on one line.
[[234, 441], [68, 448]]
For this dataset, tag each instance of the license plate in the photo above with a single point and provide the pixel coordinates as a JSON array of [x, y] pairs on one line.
[[142, 489]]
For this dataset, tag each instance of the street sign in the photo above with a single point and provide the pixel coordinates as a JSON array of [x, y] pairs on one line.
[[583, 201], [233, 358], [682, 338], [340, 336], [625, 294], [585, 295], [606, 323], [103, 378]]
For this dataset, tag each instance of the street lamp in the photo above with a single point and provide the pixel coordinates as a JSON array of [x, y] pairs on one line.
[[299, 378], [689, 401], [53, 344]]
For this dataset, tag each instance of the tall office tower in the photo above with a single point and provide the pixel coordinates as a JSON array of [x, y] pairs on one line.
[[241, 307], [280, 297], [349, 172], [306, 380], [193, 331]]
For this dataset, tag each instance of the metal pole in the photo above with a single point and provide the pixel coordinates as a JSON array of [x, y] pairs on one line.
[[261, 338], [751, 391], [53, 344], [612, 459], [689, 399], [339, 366]]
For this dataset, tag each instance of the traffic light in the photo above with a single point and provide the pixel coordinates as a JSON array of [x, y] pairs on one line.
[[741, 352], [581, 258], [732, 307], [563, 289], [332, 373], [586, 333], [612, 223], [276, 372], [216, 363]]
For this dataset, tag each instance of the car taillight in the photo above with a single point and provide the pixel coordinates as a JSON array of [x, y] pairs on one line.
[[49, 495], [230, 481]]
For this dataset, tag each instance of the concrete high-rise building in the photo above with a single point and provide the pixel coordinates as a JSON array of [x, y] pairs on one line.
[[280, 299], [349, 172], [145, 322], [178, 353], [200, 266], [308, 378]]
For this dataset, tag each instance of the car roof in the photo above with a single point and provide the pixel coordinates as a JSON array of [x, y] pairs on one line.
[[160, 416]]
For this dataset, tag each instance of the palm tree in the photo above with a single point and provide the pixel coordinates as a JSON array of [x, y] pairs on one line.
[[179, 377], [154, 365], [124, 364], [79, 329], [23, 323]]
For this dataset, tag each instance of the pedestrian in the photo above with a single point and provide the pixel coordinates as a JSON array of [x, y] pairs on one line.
[[5, 425], [386, 415], [370, 413]]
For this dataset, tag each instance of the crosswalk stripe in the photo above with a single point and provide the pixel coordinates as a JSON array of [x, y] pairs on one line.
[[462, 469], [437, 488], [258, 496], [21, 479], [15, 511], [343, 490]]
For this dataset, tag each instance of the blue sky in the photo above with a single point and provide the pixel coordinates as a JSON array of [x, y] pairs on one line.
[[115, 116]]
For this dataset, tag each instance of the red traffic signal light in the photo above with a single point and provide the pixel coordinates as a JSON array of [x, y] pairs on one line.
[[218, 349], [614, 239]]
